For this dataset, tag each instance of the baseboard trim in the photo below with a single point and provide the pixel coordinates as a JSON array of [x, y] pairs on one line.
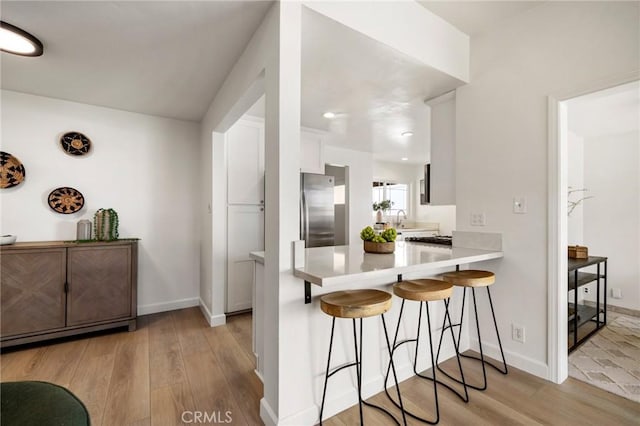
[[617, 309], [168, 306], [213, 320], [514, 359], [266, 414]]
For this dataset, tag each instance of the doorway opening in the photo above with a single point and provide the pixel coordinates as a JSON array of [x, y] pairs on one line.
[[595, 204]]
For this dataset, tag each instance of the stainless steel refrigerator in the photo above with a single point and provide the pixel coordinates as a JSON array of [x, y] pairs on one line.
[[317, 217]]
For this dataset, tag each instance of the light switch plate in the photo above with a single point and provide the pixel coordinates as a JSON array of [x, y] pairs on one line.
[[519, 205]]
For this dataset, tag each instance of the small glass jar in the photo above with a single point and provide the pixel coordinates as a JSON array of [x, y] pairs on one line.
[[83, 230]]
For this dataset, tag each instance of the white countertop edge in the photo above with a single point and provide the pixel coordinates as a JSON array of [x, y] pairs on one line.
[[258, 256], [393, 272]]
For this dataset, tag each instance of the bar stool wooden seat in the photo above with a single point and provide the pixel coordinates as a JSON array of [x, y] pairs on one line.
[[475, 279], [358, 304], [424, 291]]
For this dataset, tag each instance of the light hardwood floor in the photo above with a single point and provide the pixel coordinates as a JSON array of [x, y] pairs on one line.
[[176, 362]]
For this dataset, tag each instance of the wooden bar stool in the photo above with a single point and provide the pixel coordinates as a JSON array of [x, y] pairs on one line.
[[474, 279], [425, 291], [357, 304]]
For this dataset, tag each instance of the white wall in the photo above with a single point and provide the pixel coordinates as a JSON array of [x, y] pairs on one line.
[[575, 180], [501, 128], [612, 217], [139, 165]]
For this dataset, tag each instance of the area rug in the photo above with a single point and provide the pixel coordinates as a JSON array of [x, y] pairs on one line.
[[610, 359], [40, 404]]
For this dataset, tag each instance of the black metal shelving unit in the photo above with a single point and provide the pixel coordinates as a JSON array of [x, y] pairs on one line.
[[582, 314]]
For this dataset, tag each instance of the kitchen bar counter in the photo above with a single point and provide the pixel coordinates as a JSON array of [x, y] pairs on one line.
[[329, 266]]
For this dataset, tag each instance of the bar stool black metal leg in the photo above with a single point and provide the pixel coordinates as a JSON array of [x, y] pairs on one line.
[[433, 364], [484, 370], [495, 324], [451, 325], [434, 379], [456, 346], [326, 375], [481, 358], [358, 366], [395, 376]]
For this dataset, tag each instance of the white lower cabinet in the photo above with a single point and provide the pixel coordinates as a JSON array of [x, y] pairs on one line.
[[245, 234]]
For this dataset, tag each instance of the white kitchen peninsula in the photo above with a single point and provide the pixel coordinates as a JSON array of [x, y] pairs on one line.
[[327, 269]]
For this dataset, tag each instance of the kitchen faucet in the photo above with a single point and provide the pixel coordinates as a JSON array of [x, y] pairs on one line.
[[398, 222]]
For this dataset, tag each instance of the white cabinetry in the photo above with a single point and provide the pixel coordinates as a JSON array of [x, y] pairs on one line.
[[311, 152], [245, 234], [245, 163], [443, 150], [245, 209]]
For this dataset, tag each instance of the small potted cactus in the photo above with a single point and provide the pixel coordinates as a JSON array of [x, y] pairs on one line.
[[379, 243]]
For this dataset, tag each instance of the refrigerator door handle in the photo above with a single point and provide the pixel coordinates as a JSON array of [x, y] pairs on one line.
[[305, 221]]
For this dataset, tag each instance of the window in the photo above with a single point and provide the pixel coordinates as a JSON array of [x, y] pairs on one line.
[[398, 193], [338, 194]]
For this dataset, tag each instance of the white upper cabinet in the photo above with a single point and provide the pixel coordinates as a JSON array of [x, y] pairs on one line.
[[245, 162], [443, 150], [311, 152]]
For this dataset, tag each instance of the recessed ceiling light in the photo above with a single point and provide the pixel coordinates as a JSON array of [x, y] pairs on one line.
[[404, 159], [329, 114], [19, 42], [406, 134]]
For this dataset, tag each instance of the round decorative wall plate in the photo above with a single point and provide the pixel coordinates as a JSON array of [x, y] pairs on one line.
[[66, 200], [75, 143], [12, 171]]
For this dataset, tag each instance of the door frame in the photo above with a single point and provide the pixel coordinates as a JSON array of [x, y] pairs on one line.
[[557, 299]]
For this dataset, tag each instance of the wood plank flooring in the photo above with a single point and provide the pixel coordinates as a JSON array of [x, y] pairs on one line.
[[175, 362]]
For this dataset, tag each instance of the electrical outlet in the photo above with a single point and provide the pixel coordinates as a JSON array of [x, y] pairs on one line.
[[517, 332], [586, 290], [616, 293], [478, 219]]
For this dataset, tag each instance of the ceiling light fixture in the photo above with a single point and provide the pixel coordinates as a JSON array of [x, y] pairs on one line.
[[329, 114], [406, 134], [404, 159], [19, 42]]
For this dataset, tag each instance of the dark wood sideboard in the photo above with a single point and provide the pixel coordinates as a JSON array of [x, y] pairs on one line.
[[56, 289]]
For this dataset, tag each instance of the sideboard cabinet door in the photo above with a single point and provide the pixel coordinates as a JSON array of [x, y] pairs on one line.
[[32, 295], [99, 284]]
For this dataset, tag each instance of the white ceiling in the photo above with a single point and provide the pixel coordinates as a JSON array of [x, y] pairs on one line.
[[376, 91], [170, 58], [607, 112], [161, 58]]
